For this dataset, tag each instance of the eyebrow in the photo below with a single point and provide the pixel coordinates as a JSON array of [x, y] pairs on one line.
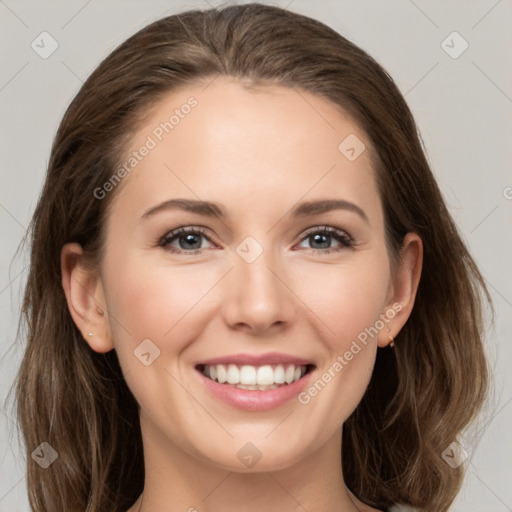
[[210, 209]]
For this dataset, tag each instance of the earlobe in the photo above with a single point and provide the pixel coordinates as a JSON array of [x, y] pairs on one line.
[[405, 286], [86, 301]]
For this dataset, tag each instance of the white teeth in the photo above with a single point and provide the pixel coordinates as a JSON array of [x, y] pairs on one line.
[[233, 374], [290, 373], [221, 373], [247, 375], [255, 377], [279, 377], [265, 375], [256, 387]]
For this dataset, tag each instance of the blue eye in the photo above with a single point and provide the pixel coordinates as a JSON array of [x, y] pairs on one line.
[[189, 240], [324, 234]]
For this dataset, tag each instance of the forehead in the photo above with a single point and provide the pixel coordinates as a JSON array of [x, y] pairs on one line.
[[257, 147]]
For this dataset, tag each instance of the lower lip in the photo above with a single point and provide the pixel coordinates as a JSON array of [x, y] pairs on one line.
[[250, 400]]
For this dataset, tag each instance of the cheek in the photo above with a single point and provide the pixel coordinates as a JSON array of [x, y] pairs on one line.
[[346, 298], [150, 299]]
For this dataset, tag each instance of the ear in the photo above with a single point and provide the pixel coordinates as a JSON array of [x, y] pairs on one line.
[[403, 288], [85, 298]]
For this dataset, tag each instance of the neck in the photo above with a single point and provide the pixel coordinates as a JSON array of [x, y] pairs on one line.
[[177, 480]]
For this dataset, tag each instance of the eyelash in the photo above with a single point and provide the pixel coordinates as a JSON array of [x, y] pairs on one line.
[[346, 240]]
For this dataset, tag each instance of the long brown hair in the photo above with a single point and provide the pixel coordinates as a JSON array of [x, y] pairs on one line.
[[422, 394]]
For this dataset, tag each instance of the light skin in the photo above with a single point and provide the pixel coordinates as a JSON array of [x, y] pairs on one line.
[[257, 153]]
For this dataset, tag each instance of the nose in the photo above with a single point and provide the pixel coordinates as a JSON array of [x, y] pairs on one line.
[[257, 297]]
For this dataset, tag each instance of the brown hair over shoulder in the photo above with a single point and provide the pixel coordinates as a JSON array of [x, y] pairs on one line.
[[421, 395]]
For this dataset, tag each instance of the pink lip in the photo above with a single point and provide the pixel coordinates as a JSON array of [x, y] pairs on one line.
[[249, 400], [257, 359]]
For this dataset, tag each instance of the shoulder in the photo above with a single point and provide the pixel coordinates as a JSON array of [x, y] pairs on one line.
[[401, 508]]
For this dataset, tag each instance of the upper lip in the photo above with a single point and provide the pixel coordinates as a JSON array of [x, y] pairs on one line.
[[257, 359]]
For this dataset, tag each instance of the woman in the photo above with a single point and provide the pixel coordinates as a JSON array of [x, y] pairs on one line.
[[190, 347]]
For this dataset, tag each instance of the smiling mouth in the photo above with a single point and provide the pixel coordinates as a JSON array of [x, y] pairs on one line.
[[255, 378]]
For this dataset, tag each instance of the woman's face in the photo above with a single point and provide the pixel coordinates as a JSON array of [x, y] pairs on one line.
[[256, 289]]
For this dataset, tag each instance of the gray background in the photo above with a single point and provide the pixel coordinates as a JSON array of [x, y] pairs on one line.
[[463, 107]]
